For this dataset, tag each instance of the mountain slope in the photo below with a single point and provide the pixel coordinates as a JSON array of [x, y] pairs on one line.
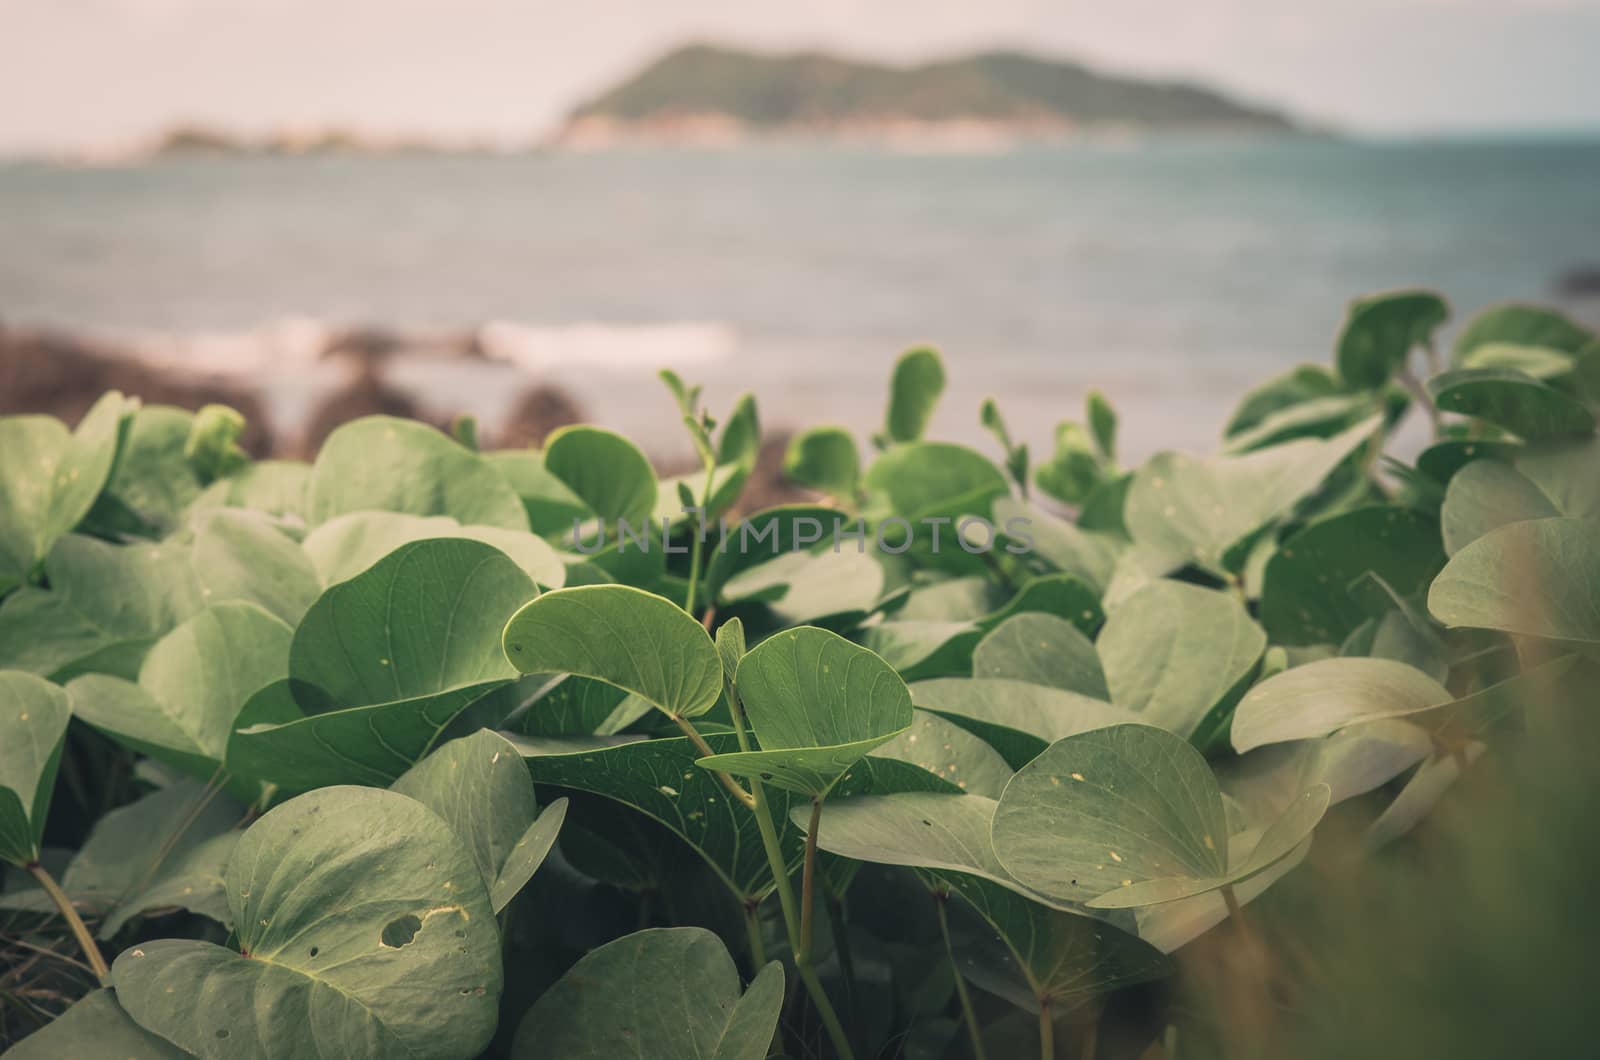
[[812, 91]]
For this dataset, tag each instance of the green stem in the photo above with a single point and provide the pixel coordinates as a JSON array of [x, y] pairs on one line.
[[791, 921], [1425, 399], [734, 787], [752, 927], [70, 914], [699, 534], [808, 885], [1047, 1032], [968, 1016]]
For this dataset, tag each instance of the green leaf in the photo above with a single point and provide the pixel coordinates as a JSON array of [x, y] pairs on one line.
[[805, 587], [191, 687], [152, 481], [1041, 649], [52, 477], [349, 544], [1381, 330], [741, 435], [381, 664], [481, 787], [1306, 593], [552, 508], [1045, 953], [103, 599], [817, 704], [212, 448], [94, 1026], [605, 470], [1195, 509], [1019, 720], [1300, 385], [914, 390], [949, 752], [356, 910], [623, 636], [1102, 423], [1513, 400], [662, 993], [1322, 697], [1129, 816], [1540, 362], [1538, 578], [1173, 652], [1486, 495], [1524, 325], [380, 463], [33, 721], [242, 556], [923, 480], [1088, 556], [274, 487], [826, 459]]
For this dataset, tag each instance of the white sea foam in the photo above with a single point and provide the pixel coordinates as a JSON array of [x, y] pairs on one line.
[[596, 345], [282, 347]]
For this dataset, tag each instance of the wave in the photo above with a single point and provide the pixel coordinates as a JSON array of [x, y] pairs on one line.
[[596, 345]]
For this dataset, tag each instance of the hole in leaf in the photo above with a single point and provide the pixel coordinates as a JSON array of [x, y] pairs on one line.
[[223, 1033], [400, 931], [314, 951]]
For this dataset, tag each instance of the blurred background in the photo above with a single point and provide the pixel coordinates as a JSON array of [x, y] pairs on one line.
[[523, 209]]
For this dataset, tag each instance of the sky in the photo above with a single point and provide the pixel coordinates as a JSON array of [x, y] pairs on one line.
[[92, 74]]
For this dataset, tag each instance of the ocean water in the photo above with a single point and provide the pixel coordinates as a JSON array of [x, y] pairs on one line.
[[1170, 274]]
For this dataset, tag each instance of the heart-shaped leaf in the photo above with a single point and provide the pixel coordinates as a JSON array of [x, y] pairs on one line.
[[242, 556], [1382, 329], [52, 477], [105, 606], [1129, 816], [1047, 954], [1174, 652], [95, 1026], [626, 637], [826, 459], [1194, 509], [1486, 495], [1537, 578], [662, 993], [1526, 325], [817, 704], [1041, 649], [1306, 587], [1325, 696], [380, 463], [381, 664], [347, 545], [949, 752], [928, 480], [1017, 719], [480, 786], [604, 470], [191, 687], [33, 720], [356, 910], [1511, 399]]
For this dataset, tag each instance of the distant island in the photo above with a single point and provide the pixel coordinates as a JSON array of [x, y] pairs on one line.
[[319, 140], [706, 94]]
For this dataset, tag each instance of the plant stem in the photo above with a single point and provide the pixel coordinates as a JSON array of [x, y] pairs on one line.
[[1047, 1031], [847, 960], [68, 912], [734, 787], [1420, 392], [808, 880], [968, 1016], [752, 927], [791, 921], [699, 538]]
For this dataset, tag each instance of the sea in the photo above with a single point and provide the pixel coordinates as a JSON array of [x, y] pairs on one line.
[[1171, 274]]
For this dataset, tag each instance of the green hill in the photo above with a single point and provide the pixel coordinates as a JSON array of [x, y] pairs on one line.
[[820, 92]]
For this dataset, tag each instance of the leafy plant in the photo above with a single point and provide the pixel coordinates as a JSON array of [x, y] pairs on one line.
[[417, 750]]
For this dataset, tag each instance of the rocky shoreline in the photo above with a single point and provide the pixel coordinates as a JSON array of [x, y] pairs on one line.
[[61, 374]]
